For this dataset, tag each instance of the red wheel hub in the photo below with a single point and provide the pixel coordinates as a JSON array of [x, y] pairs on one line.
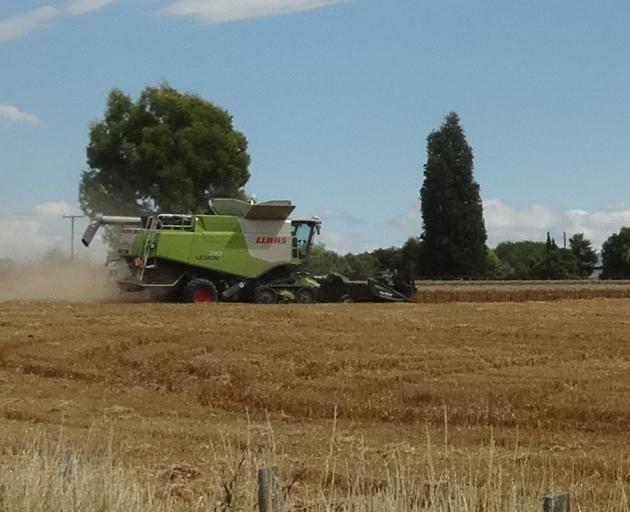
[[202, 296]]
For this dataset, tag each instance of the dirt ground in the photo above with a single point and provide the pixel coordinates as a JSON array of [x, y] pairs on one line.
[[166, 384]]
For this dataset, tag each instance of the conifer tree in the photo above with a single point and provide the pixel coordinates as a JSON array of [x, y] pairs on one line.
[[454, 234]]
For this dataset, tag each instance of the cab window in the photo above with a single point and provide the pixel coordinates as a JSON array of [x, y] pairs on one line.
[[301, 239]]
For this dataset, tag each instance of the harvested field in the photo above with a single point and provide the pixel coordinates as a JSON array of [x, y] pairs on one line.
[[494, 403], [518, 291]]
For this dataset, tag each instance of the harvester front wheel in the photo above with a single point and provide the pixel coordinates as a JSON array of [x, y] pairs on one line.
[[200, 291]]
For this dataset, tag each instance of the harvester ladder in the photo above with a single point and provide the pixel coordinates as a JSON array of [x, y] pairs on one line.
[[148, 242]]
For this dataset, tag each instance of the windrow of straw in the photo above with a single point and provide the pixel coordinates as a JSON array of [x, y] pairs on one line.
[[518, 291]]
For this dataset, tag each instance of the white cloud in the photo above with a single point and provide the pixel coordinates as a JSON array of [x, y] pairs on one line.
[[532, 222], [217, 11], [408, 223], [56, 208], [333, 214], [344, 241], [37, 19], [15, 115], [23, 24], [78, 7], [343, 232], [29, 235]]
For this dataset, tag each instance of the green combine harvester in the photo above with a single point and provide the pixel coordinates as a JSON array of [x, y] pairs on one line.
[[241, 251]]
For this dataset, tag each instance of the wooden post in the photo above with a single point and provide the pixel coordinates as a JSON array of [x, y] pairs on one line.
[[556, 502], [268, 489]]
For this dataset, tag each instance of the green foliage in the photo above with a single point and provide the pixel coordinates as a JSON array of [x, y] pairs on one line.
[[454, 232], [551, 243], [388, 258], [544, 260], [168, 151], [616, 256], [493, 264], [365, 263], [321, 261], [517, 258], [409, 261], [555, 264], [393, 259], [584, 254]]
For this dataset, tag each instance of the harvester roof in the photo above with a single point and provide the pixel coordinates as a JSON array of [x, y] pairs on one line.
[[269, 210]]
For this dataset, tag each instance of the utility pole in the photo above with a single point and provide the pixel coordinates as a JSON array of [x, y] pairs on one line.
[[72, 219]]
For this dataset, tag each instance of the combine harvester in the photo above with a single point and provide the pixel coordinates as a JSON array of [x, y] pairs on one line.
[[239, 252]]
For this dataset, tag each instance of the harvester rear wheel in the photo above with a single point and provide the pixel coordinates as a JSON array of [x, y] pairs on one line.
[[200, 291], [265, 295], [306, 296]]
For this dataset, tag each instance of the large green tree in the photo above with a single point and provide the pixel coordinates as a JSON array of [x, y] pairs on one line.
[[167, 151], [454, 235], [616, 256]]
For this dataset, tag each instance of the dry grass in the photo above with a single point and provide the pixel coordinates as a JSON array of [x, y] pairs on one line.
[[535, 395], [45, 476]]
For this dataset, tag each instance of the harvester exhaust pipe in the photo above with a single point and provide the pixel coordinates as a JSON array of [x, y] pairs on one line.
[[99, 219]]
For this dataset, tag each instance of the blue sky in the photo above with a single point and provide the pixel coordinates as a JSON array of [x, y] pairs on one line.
[[336, 99]]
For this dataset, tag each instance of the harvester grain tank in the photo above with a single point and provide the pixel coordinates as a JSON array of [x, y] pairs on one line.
[[240, 251]]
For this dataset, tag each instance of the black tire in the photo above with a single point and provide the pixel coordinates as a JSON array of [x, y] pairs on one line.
[[265, 295], [199, 291], [306, 295], [346, 299]]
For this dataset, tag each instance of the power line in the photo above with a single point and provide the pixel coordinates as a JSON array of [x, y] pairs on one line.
[[72, 220]]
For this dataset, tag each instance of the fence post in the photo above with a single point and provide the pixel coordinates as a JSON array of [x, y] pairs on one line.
[[268, 489], [556, 502]]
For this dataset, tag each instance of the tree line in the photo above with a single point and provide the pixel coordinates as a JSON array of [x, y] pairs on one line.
[[171, 152], [509, 260]]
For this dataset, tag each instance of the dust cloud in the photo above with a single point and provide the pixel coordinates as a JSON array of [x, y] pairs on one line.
[[64, 281]]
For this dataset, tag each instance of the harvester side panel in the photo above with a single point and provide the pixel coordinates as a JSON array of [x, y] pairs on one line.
[[268, 240], [223, 249], [218, 244], [174, 245]]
